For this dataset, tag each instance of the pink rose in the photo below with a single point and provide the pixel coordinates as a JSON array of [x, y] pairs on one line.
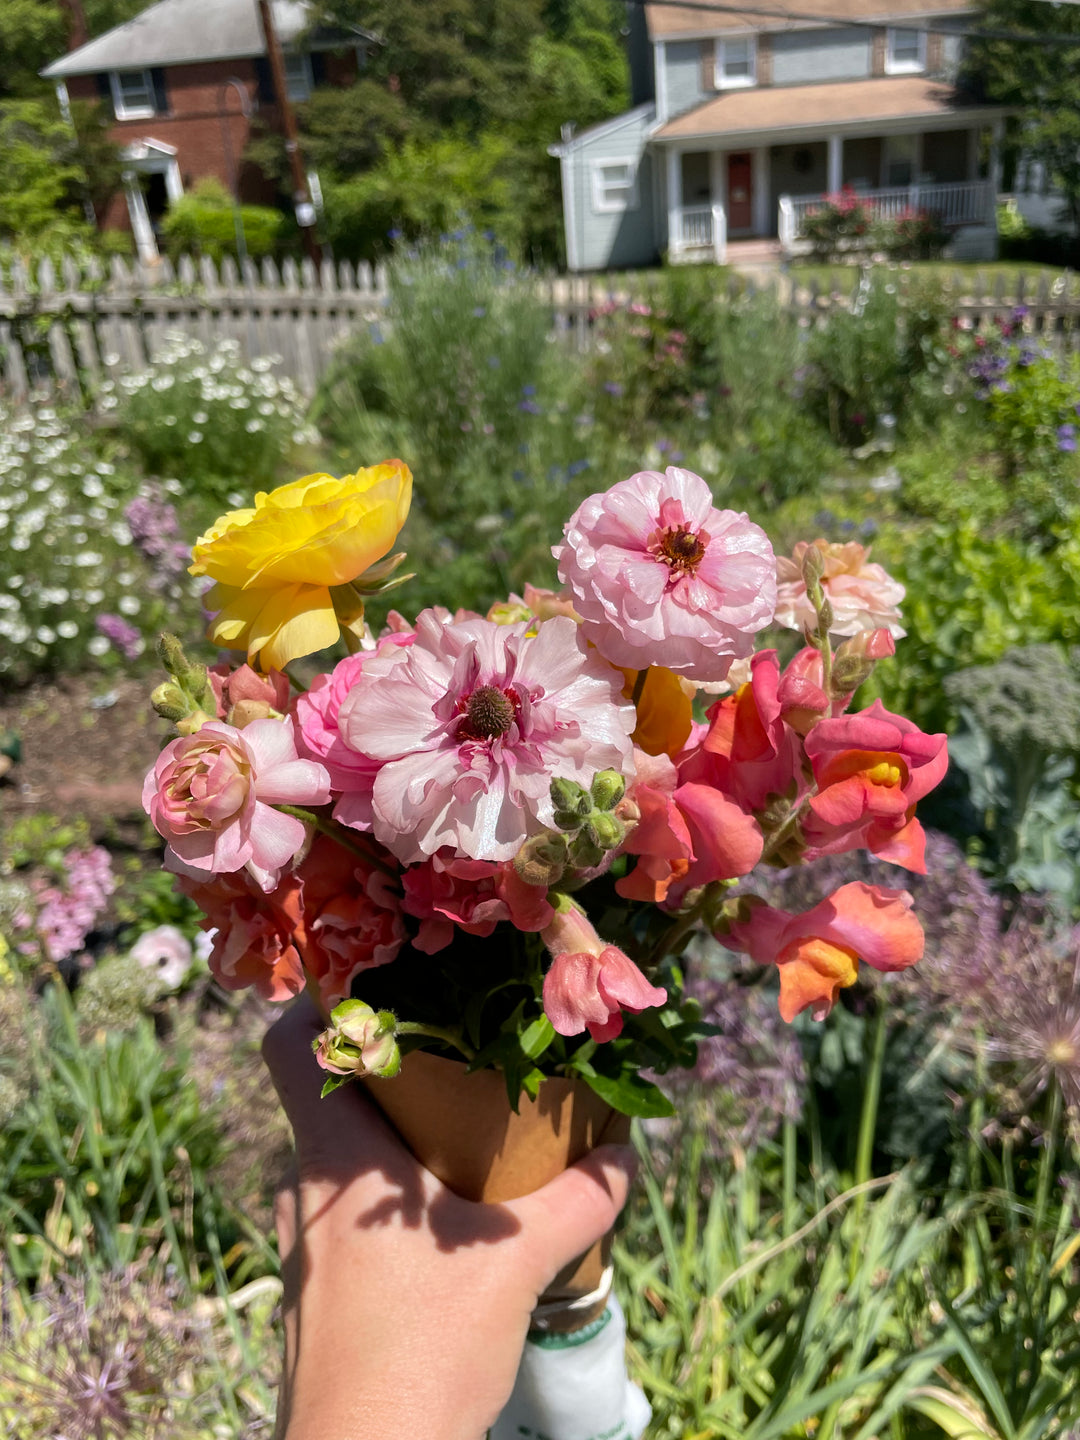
[[211, 796], [862, 594], [659, 576], [251, 942]]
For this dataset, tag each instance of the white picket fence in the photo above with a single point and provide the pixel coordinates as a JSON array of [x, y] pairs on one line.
[[62, 331]]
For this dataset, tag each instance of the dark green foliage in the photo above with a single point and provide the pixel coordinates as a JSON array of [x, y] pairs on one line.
[[204, 223]]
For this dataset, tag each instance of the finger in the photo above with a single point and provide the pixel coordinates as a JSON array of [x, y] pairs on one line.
[[575, 1209], [335, 1133]]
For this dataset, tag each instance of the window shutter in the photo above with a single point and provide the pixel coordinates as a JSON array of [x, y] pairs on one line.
[[708, 66], [935, 53], [265, 80], [161, 94], [764, 59], [877, 52], [104, 89], [318, 68]]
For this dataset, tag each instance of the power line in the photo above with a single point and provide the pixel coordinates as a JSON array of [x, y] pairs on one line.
[[796, 16]]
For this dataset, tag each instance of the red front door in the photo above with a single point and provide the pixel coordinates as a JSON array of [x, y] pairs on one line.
[[740, 209]]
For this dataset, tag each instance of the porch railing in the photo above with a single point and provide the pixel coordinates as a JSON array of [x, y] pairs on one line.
[[967, 202], [700, 228]]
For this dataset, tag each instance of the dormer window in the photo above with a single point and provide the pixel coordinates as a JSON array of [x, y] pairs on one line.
[[905, 52], [132, 94], [299, 79], [736, 62]]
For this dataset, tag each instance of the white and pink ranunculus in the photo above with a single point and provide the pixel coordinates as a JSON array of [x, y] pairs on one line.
[[590, 984], [211, 796], [863, 594], [472, 723], [660, 576]]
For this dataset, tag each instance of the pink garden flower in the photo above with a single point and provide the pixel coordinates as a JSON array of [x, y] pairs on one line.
[[473, 895], [211, 795], [659, 576], [870, 769], [862, 593], [471, 724], [251, 943], [589, 983], [817, 953]]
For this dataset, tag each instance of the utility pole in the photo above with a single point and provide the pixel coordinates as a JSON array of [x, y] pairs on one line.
[[305, 210], [78, 34]]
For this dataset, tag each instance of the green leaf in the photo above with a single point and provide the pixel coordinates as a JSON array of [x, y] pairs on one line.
[[536, 1038], [630, 1094], [332, 1083]]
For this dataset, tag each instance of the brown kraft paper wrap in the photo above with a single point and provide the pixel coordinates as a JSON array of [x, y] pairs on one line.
[[461, 1127]]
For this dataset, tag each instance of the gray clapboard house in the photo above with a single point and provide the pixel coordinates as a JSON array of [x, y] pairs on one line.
[[745, 122]]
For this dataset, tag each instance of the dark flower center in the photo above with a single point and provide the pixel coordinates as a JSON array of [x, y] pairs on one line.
[[488, 712], [681, 549]]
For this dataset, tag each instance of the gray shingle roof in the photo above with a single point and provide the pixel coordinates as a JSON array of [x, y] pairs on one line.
[[176, 32]]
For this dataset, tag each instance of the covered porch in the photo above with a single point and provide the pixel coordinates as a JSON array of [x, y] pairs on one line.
[[759, 178]]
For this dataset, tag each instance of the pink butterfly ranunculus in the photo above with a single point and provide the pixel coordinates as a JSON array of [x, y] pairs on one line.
[[660, 576]]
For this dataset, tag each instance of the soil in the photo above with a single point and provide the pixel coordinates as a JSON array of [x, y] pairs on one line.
[[87, 742]]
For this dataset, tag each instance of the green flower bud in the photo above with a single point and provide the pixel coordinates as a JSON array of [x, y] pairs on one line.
[[169, 701], [608, 788], [849, 672], [605, 831], [171, 654], [358, 1041], [568, 798], [585, 853], [813, 566], [542, 859], [827, 615]]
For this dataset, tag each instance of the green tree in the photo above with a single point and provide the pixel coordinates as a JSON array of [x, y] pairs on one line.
[[40, 179], [1040, 80]]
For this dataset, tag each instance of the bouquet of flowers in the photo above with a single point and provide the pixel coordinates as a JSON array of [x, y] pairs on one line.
[[483, 843]]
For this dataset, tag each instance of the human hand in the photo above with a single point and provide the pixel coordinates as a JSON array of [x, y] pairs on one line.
[[406, 1307]]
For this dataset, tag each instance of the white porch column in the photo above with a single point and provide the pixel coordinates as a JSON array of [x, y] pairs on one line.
[[761, 190], [674, 201], [143, 231], [836, 164]]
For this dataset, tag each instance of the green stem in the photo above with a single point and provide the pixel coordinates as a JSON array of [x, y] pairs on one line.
[[864, 1155], [453, 1038], [790, 1138], [345, 838], [1046, 1166]]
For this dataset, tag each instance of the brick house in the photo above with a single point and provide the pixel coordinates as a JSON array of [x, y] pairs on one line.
[[746, 121], [183, 80]]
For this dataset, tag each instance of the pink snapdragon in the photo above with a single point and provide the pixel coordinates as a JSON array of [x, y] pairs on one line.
[[589, 983], [660, 576], [211, 796], [472, 895], [863, 595], [470, 725], [817, 953]]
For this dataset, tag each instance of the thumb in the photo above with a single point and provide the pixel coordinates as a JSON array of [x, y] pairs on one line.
[[561, 1220]]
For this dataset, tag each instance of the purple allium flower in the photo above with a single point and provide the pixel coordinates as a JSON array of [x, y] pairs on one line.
[[613, 387], [529, 407], [124, 636], [750, 1077], [1066, 438]]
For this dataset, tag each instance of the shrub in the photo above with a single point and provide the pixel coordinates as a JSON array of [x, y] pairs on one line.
[[204, 415], [73, 587], [913, 235], [204, 223], [840, 226]]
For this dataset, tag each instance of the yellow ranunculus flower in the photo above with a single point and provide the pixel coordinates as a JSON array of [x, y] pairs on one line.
[[275, 564]]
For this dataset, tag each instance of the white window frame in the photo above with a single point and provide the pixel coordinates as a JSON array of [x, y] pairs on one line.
[[905, 66], [299, 87], [735, 82], [603, 203], [121, 109]]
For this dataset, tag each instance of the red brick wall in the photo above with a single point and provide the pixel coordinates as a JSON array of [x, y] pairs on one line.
[[194, 123]]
